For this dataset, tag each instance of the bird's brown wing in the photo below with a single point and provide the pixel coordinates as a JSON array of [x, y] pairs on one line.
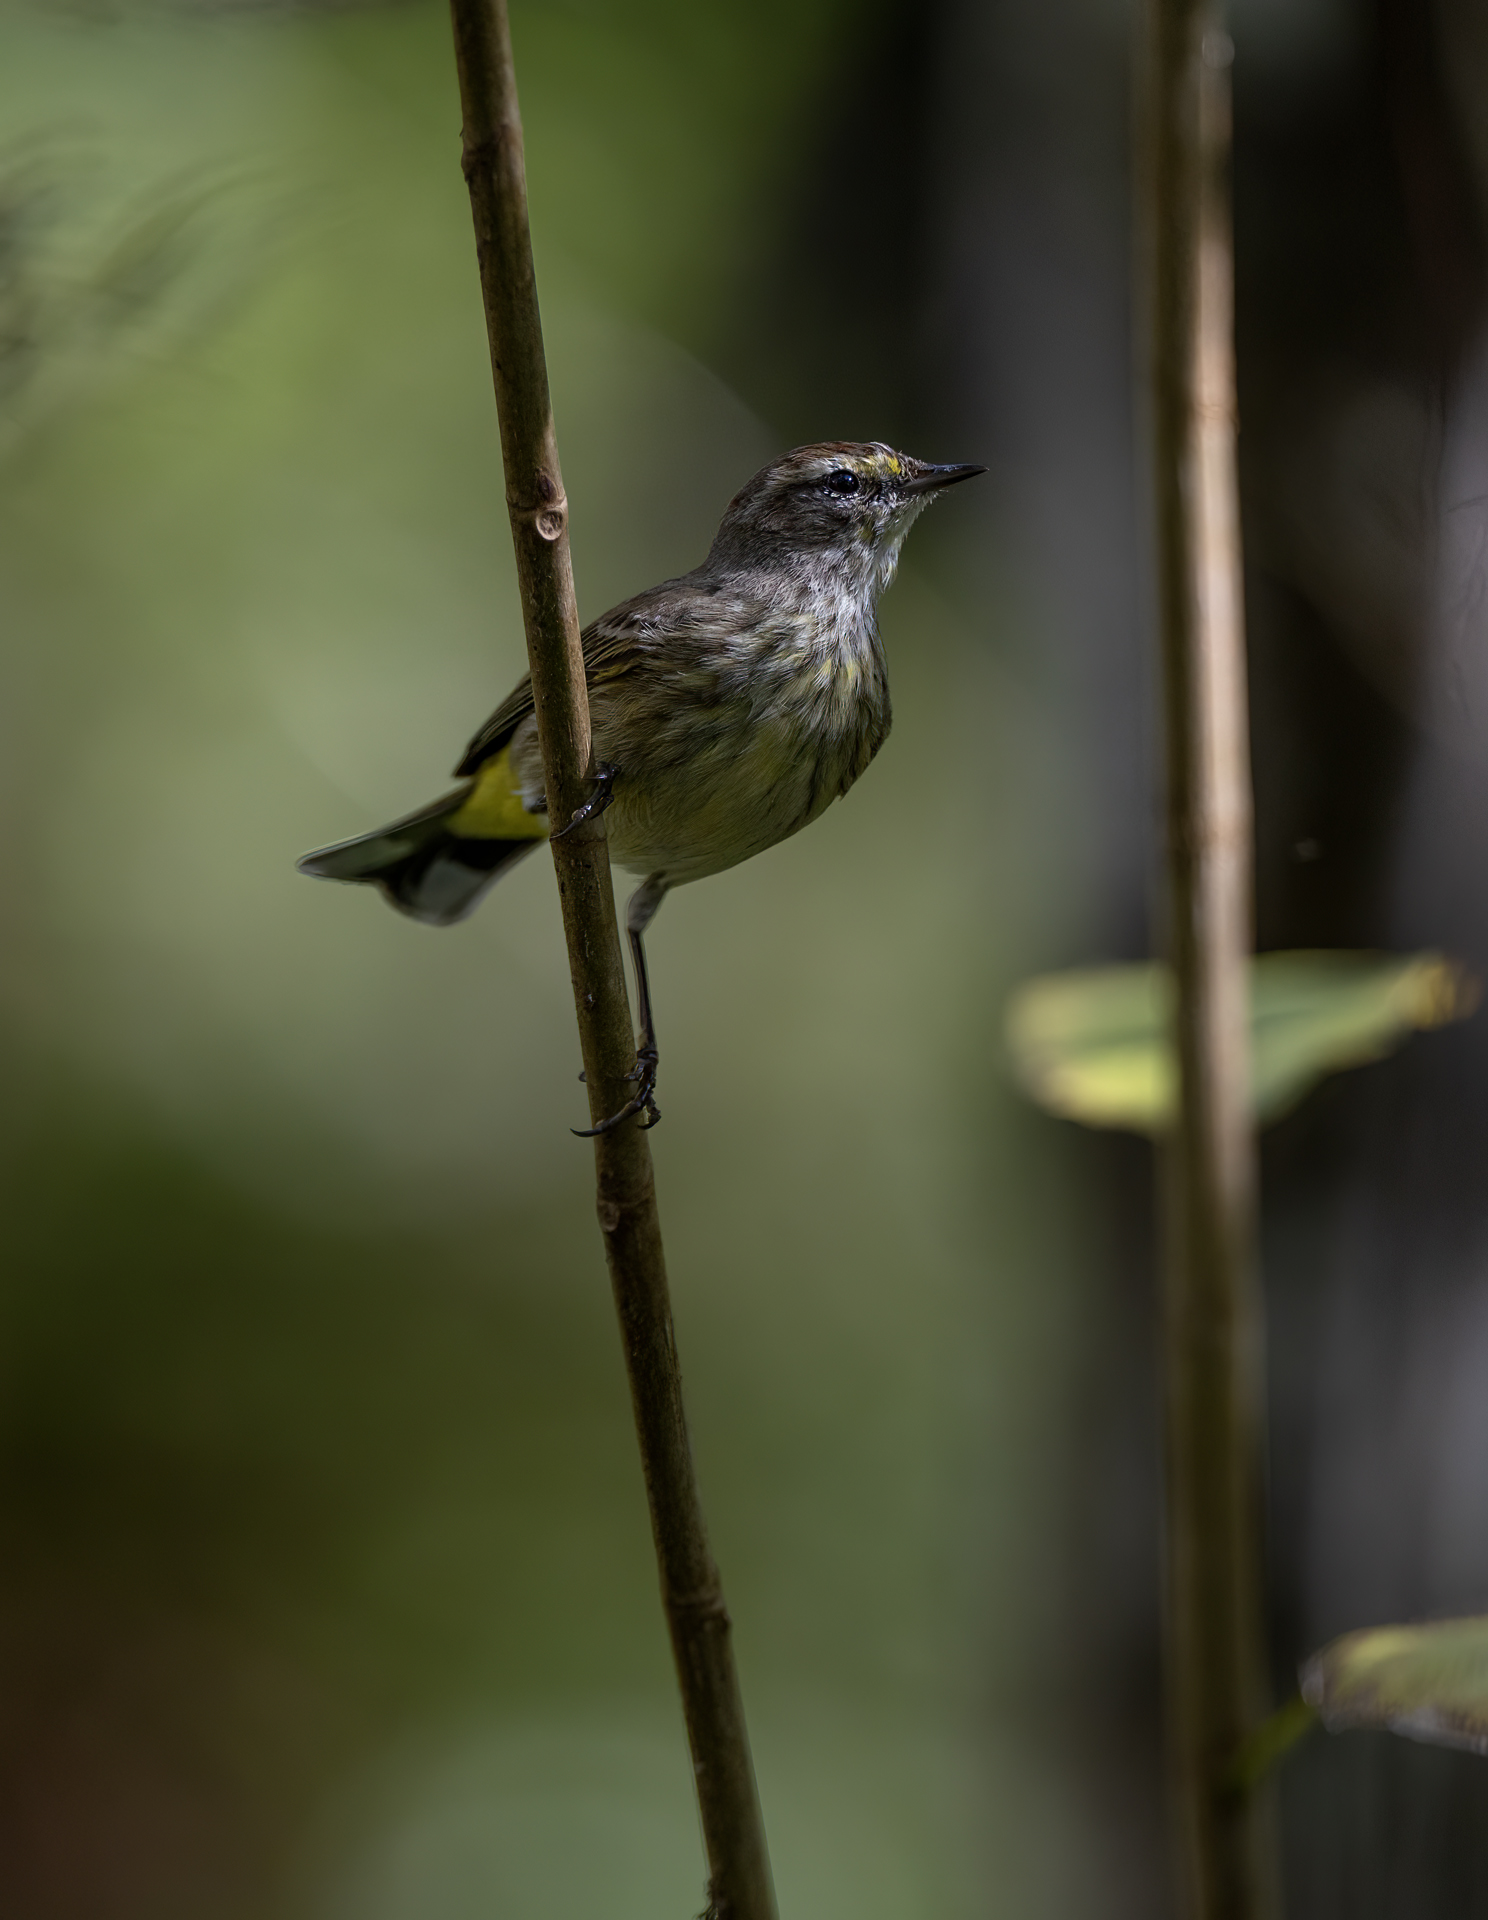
[[607, 652], [611, 649]]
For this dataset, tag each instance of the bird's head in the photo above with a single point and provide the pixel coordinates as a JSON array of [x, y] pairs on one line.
[[839, 509]]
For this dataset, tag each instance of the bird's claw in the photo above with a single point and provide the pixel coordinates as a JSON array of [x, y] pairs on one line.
[[642, 1101], [599, 799], [644, 1070]]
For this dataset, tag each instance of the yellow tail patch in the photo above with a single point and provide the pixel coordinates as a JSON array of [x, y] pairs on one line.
[[493, 807]]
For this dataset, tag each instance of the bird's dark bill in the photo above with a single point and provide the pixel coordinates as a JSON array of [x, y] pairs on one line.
[[932, 479]]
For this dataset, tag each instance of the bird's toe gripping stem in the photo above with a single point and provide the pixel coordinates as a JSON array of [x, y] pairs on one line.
[[642, 1101], [601, 796]]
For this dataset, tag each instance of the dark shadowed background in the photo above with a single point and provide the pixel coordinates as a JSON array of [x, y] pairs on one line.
[[327, 1590]]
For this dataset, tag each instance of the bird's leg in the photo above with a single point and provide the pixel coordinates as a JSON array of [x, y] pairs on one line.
[[638, 916], [599, 799], [647, 1057]]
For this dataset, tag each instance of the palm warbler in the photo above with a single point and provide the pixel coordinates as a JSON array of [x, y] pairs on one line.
[[729, 708]]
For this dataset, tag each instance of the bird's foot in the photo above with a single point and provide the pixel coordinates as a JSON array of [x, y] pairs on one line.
[[599, 799], [642, 1101]]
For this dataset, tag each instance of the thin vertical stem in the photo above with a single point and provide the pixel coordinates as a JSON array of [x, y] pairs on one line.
[[1212, 1312], [733, 1832]]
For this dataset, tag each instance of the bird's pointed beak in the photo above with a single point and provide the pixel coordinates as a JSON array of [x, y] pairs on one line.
[[933, 479]]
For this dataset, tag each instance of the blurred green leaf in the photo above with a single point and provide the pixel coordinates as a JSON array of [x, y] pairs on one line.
[[1095, 1045], [1271, 1742], [1429, 1683], [97, 274], [148, 259]]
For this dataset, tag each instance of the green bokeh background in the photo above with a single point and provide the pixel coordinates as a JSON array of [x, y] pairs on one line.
[[328, 1582]]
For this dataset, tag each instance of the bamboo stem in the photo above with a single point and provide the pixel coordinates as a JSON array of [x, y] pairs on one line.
[[733, 1832], [1214, 1655]]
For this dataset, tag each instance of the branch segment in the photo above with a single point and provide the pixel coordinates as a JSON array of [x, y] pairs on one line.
[[733, 1831], [1214, 1655]]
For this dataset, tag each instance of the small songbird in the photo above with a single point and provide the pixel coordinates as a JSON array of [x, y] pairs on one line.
[[729, 708]]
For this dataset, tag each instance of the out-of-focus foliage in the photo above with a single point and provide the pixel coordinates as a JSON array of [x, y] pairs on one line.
[[1428, 1682], [1271, 1742], [96, 273], [1095, 1045]]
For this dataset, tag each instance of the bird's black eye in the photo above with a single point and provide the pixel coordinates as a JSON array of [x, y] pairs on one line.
[[843, 482]]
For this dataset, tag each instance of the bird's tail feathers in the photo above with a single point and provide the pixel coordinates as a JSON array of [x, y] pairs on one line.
[[424, 866]]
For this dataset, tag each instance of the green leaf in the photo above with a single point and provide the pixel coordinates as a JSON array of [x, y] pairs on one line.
[[1271, 1742], [1095, 1045], [1429, 1682]]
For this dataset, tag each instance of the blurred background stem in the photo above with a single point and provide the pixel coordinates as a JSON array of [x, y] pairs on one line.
[[1212, 1310], [740, 1885]]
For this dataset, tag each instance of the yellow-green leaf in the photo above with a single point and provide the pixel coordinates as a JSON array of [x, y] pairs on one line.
[[1429, 1682], [1095, 1045]]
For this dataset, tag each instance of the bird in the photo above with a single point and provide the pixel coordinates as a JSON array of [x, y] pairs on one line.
[[729, 708]]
